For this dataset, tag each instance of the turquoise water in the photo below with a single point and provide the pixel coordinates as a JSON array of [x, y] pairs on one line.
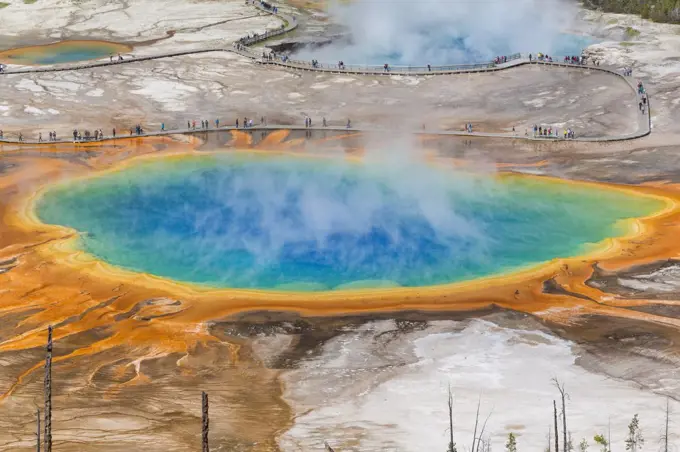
[[289, 223], [62, 52]]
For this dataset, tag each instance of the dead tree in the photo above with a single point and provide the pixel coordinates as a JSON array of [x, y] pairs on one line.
[[557, 434], [564, 395], [48, 392], [481, 433], [665, 435], [328, 448], [474, 434], [452, 445], [206, 421], [37, 430]]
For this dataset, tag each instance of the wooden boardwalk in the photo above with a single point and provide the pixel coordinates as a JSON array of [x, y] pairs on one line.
[[290, 23]]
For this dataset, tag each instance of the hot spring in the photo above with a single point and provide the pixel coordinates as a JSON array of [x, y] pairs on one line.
[[62, 52], [440, 32], [278, 222]]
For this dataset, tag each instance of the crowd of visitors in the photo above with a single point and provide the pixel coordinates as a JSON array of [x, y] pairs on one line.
[[552, 132]]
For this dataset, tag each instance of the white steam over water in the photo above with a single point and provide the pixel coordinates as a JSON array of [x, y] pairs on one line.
[[447, 31]]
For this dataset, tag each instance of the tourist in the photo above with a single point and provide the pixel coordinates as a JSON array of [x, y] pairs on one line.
[[237, 123], [193, 124], [245, 122], [40, 137], [111, 58], [530, 58], [113, 132], [217, 123], [349, 124], [386, 68], [1, 135], [262, 121], [120, 58], [324, 122], [250, 123], [21, 137], [162, 127], [75, 134], [429, 68]]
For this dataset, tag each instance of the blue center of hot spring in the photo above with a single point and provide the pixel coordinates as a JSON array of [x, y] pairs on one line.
[[287, 223]]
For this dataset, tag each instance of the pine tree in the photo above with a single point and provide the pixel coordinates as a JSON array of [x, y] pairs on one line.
[[511, 445], [583, 445], [634, 439], [602, 441]]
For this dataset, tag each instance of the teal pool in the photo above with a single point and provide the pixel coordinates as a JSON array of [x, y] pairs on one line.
[[62, 52], [286, 223]]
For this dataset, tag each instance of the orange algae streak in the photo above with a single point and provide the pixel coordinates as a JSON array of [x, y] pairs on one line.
[[273, 139], [240, 139], [52, 282]]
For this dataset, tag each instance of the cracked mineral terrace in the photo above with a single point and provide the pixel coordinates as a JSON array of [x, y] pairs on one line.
[[133, 353]]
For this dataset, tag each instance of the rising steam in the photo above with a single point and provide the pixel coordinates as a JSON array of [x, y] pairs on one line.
[[447, 31]]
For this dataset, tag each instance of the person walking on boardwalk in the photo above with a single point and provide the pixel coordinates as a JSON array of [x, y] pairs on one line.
[[324, 122], [162, 127], [40, 137], [237, 123], [349, 124], [217, 123]]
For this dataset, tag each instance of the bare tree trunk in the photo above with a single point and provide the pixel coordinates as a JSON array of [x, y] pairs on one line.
[[563, 393], [557, 434], [48, 392], [481, 433], [206, 422], [665, 436], [474, 435], [328, 448], [37, 430], [549, 438], [450, 420]]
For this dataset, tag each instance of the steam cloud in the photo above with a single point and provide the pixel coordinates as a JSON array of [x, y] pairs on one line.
[[447, 31]]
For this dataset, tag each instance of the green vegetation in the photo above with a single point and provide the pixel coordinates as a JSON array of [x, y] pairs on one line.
[[612, 22], [628, 43], [601, 441], [29, 2], [511, 445], [632, 32], [634, 439], [656, 10], [3, 5]]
